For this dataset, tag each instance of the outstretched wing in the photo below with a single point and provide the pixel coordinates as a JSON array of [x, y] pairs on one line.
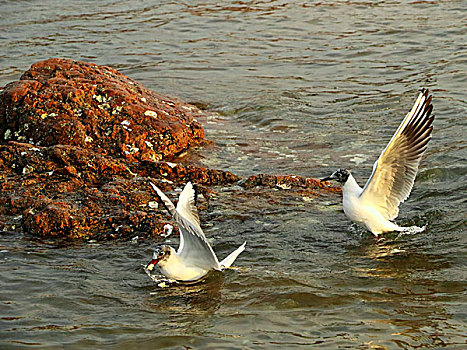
[[186, 206], [194, 249], [167, 202], [394, 172]]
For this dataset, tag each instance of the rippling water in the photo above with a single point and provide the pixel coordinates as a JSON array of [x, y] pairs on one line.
[[301, 87]]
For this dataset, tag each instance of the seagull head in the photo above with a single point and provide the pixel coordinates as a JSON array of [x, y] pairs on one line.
[[160, 257], [340, 175]]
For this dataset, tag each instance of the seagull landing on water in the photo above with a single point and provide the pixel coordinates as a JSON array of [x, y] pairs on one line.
[[393, 173], [194, 257]]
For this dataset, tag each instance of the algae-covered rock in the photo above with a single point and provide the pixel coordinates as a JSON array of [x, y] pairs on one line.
[[67, 102]]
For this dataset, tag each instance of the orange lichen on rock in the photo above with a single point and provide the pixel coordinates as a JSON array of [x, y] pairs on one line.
[[184, 173], [68, 191], [67, 102], [288, 182]]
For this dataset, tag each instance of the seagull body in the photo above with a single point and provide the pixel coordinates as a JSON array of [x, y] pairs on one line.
[[362, 211], [391, 182], [194, 257], [175, 268]]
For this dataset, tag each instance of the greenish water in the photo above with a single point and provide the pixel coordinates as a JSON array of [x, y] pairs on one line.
[[301, 88]]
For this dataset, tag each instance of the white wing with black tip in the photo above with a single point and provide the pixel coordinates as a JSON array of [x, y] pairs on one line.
[[394, 172]]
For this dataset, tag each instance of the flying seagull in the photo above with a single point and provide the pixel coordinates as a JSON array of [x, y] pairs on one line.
[[393, 175], [194, 257]]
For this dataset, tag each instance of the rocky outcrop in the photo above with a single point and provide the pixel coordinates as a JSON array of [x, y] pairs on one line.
[[79, 144], [66, 102], [69, 191], [287, 182]]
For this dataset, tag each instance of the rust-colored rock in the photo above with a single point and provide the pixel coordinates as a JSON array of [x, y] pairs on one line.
[[79, 144], [67, 102], [182, 174], [67, 191], [288, 182]]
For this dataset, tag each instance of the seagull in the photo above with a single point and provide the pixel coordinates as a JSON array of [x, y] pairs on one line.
[[194, 257], [393, 175]]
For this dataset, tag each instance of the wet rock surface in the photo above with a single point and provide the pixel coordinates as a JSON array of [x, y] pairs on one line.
[[60, 101], [287, 182], [80, 144]]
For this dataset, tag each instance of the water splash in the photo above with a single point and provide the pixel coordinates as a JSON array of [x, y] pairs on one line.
[[161, 281], [411, 230]]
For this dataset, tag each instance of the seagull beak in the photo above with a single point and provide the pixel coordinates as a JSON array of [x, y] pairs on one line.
[[327, 178], [151, 264]]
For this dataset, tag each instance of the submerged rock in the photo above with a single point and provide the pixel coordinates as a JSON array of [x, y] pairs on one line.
[[287, 182], [79, 144]]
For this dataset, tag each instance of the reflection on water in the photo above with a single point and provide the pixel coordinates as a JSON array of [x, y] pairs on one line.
[[406, 296], [300, 88], [201, 298]]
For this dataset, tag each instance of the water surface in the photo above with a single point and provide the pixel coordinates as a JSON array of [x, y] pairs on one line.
[[301, 88]]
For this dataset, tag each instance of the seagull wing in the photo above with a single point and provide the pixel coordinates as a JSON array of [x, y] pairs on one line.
[[394, 172], [194, 249], [169, 206], [186, 206]]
